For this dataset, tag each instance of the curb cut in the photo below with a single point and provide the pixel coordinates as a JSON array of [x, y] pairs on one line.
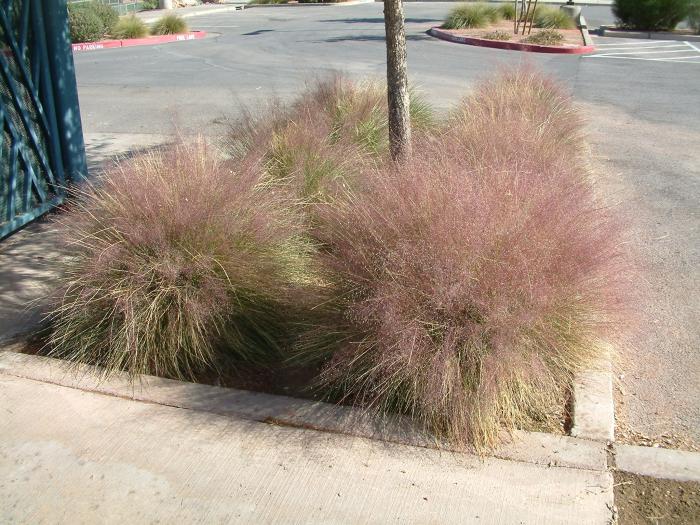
[[513, 46], [542, 449], [130, 42]]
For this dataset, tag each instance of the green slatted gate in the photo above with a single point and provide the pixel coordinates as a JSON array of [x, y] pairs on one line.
[[41, 144]]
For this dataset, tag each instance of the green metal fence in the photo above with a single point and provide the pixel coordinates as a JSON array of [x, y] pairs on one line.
[[41, 144]]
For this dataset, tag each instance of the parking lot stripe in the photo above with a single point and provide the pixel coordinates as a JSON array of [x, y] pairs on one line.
[[681, 58], [684, 50], [646, 59], [634, 49], [632, 44]]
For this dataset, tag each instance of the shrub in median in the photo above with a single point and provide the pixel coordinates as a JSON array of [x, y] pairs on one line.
[[466, 16], [545, 37], [651, 15], [469, 284], [498, 35], [85, 25], [130, 27], [180, 261], [169, 25]]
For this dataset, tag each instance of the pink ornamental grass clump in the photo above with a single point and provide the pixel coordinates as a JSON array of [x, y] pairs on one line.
[[473, 281], [179, 261]]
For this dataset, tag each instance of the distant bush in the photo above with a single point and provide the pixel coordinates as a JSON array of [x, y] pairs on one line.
[[180, 261], [552, 18], [130, 27], [694, 16], [466, 16], [105, 13], [148, 5], [651, 15], [84, 25], [169, 25], [498, 35], [545, 37], [108, 15]]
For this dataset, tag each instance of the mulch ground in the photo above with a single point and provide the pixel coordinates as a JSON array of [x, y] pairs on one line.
[[643, 500]]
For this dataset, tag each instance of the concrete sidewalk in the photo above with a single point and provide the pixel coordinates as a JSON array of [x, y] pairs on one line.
[[71, 456]]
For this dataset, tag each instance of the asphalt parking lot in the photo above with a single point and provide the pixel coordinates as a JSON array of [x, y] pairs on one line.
[[641, 100]]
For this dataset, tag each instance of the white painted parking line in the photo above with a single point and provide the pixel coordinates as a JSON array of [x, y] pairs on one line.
[[684, 50], [634, 49], [655, 51], [697, 57], [646, 59]]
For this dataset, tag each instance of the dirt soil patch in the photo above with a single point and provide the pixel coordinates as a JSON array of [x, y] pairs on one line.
[[643, 500], [572, 37]]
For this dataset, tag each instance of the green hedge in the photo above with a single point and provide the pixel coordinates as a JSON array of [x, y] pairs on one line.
[[652, 15], [85, 25]]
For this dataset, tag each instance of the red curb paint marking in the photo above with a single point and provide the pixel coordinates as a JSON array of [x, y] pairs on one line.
[[92, 46], [514, 46], [153, 40]]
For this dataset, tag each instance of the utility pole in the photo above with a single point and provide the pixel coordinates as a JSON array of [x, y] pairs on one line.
[[397, 81]]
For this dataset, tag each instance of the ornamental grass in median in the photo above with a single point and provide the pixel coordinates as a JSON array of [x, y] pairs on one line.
[[467, 16], [468, 285], [169, 25], [546, 17], [463, 288], [130, 26], [323, 139], [179, 262]]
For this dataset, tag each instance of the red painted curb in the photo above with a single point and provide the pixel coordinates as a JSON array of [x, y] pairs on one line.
[[148, 41], [92, 46], [514, 46]]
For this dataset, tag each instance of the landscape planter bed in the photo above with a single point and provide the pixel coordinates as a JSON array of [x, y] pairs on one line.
[[574, 43], [147, 41]]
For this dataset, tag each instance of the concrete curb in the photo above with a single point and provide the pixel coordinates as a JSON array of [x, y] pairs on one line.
[[677, 465], [643, 35], [594, 406], [130, 42], [527, 447], [513, 46]]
